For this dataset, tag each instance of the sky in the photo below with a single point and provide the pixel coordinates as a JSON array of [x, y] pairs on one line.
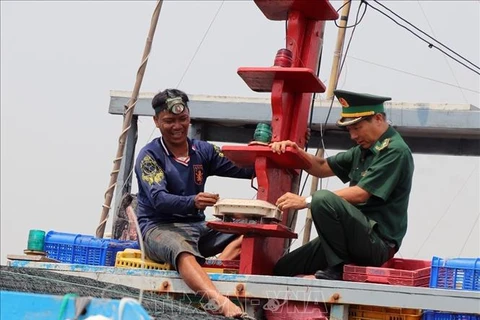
[[60, 59]]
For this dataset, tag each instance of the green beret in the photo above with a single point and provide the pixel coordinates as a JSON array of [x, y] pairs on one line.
[[356, 106]]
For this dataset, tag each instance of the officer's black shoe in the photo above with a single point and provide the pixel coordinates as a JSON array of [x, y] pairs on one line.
[[330, 273]]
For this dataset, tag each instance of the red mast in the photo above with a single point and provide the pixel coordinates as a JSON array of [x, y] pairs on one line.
[[292, 82]]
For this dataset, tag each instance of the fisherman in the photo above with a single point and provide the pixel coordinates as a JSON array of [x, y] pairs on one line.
[[364, 223], [171, 172]]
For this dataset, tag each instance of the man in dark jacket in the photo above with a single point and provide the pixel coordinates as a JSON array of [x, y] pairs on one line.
[[171, 173]]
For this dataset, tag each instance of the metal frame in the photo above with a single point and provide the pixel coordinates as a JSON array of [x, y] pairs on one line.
[[452, 129]]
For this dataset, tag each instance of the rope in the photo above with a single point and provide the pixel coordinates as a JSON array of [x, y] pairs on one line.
[[142, 250], [127, 119]]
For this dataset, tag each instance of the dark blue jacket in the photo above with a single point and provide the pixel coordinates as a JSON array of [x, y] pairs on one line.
[[167, 186]]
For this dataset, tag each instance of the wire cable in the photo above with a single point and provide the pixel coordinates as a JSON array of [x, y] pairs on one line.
[[430, 44], [200, 44], [416, 28], [413, 74], [469, 235], [352, 26], [445, 58], [445, 212]]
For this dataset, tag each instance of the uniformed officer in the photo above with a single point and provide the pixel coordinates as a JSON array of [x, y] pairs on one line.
[[364, 223]]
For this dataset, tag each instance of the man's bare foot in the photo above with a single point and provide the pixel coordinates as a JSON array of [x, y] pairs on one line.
[[225, 306]]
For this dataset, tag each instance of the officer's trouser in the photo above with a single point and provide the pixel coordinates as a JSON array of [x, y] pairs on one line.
[[345, 235]]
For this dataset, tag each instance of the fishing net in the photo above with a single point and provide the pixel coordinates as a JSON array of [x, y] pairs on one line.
[[49, 282]]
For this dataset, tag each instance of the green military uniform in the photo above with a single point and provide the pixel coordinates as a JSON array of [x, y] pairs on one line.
[[363, 234]]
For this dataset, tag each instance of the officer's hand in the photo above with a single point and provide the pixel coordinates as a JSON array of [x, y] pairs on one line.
[[291, 201], [308, 135], [205, 199], [281, 146]]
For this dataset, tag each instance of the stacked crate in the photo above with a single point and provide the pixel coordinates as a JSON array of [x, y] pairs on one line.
[[400, 272], [357, 312], [454, 274], [84, 249]]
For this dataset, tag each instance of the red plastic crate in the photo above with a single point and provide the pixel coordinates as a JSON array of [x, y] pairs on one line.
[[402, 272]]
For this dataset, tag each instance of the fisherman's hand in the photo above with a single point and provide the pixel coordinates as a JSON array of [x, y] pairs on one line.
[[291, 201], [205, 199], [281, 146]]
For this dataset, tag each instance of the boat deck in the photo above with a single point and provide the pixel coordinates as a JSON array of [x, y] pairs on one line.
[[257, 288]]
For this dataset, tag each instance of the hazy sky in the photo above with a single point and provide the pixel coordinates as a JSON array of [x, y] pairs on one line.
[[60, 59]]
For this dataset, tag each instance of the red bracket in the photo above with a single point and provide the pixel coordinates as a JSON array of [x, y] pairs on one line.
[[296, 80], [252, 230]]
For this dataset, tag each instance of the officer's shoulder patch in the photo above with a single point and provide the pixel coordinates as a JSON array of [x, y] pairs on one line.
[[383, 145], [151, 171]]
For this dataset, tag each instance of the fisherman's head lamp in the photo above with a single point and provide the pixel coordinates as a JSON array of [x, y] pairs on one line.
[[173, 105]]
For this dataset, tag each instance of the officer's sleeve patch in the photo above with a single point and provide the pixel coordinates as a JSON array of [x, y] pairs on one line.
[[218, 151], [151, 171]]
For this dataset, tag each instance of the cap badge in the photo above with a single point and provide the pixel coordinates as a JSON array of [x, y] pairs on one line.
[[343, 102]]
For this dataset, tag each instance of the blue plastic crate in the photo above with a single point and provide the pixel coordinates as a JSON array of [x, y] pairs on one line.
[[435, 315], [84, 249], [457, 273]]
